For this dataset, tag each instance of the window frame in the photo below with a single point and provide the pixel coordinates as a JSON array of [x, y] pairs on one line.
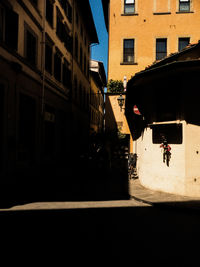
[[49, 43], [161, 52], [66, 74], [9, 27], [57, 56], [182, 2], [50, 16], [59, 24], [179, 39], [28, 29], [126, 54], [129, 5]]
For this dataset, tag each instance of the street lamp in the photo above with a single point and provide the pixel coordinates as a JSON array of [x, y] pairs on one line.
[[121, 101]]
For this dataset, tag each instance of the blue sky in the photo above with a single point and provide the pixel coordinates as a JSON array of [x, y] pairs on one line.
[[99, 52]]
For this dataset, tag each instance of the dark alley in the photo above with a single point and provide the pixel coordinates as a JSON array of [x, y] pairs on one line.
[[99, 133]]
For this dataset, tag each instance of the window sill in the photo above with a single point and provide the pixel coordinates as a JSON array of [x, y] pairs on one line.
[[128, 63], [184, 12], [129, 14], [161, 13]]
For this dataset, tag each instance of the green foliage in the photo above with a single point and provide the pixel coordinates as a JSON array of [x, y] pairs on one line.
[[115, 86]]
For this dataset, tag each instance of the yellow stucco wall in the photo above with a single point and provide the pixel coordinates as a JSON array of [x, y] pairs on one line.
[[144, 27], [115, 118], [118, 115]]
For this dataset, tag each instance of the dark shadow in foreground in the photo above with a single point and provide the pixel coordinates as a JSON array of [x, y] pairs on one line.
[[83, 185], [135, 235]]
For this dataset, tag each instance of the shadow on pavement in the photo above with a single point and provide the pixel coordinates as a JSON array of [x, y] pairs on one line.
[[88, 185], [139, 236]]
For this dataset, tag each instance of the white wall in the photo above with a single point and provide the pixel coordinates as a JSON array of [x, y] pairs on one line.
[[192, 154], [155, 174]]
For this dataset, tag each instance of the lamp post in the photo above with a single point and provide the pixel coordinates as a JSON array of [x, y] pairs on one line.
[[121, 101]]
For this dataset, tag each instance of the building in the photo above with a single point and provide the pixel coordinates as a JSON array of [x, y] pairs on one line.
[[84, 33], [171, 117], [44, 86], [115, 120], [98, 83], [141, 32]]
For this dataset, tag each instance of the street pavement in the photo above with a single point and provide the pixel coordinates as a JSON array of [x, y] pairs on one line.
[[139, 232], [162, 199], [139, 196]]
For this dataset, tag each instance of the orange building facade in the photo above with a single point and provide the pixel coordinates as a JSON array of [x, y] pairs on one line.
[[145, 31], [141, 32]]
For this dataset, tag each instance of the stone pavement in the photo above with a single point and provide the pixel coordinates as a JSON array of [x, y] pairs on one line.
[[139, 196], [62, 205], [157, 198]]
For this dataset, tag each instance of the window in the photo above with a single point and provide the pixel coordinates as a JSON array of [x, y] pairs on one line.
[[66, 74], [48, 56], [184, 5], [128, 53], [9, 27], [161, 48], [59, 25], [67, 39], [182, 43], [30, 46], [172, 132], [49, 12], [129, 6], [67, 8], [57, 66]]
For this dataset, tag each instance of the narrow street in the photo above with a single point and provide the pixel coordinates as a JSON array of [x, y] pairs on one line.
[[99, 233]]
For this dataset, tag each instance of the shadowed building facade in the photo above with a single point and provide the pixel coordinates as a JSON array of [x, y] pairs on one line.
[[98, 83], [44, 86]]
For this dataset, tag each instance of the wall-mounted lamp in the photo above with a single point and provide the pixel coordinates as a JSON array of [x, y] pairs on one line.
[[121, 101]]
